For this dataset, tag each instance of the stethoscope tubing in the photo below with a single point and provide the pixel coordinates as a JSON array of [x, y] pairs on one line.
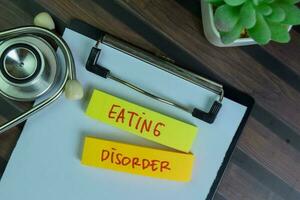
[[69, 75]]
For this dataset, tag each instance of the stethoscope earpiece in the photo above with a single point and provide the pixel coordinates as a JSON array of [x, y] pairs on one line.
[[73, 90], [44, 20]]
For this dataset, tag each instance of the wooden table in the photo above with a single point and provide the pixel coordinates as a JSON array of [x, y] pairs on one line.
[[266, 161]]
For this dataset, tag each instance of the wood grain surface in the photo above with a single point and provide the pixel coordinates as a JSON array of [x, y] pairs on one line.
[[266, 162]]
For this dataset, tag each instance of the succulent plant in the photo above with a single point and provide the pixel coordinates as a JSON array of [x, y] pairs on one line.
[[262, 20]]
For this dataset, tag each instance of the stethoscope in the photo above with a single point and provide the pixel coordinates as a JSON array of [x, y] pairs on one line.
[[30, 69]]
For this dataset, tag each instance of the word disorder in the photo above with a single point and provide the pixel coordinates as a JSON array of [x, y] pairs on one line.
[[141, 121], [137, 160]]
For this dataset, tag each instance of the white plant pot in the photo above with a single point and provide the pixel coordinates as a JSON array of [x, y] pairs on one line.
[[211, 32]]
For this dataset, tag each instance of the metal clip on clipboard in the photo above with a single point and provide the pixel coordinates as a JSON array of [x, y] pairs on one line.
[[92, 66]]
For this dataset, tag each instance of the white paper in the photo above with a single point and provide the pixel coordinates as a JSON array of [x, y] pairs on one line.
[[46, 161]]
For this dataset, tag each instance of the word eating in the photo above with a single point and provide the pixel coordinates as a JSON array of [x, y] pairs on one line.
[[141, 121], [133, 119]]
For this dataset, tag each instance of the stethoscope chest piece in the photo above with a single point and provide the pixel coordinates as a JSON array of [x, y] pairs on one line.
[[28, 67], [31, 70]]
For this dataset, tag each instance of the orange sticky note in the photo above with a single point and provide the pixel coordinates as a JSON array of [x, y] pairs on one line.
[[137, 160], [141, 121]]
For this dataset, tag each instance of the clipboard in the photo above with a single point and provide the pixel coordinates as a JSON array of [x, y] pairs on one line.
[[38, 178]]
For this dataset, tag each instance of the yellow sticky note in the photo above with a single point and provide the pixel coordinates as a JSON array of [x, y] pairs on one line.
[[141, 121], [137, 160]]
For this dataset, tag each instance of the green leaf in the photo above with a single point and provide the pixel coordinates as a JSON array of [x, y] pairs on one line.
[[260, 32], [264, 9], [292, 14], [226, 17], [247, 15], [234, 2], [231, 36], [215, 1], [257, 2], [292, 1], [279, 32], [269, 1], [278, 14]]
